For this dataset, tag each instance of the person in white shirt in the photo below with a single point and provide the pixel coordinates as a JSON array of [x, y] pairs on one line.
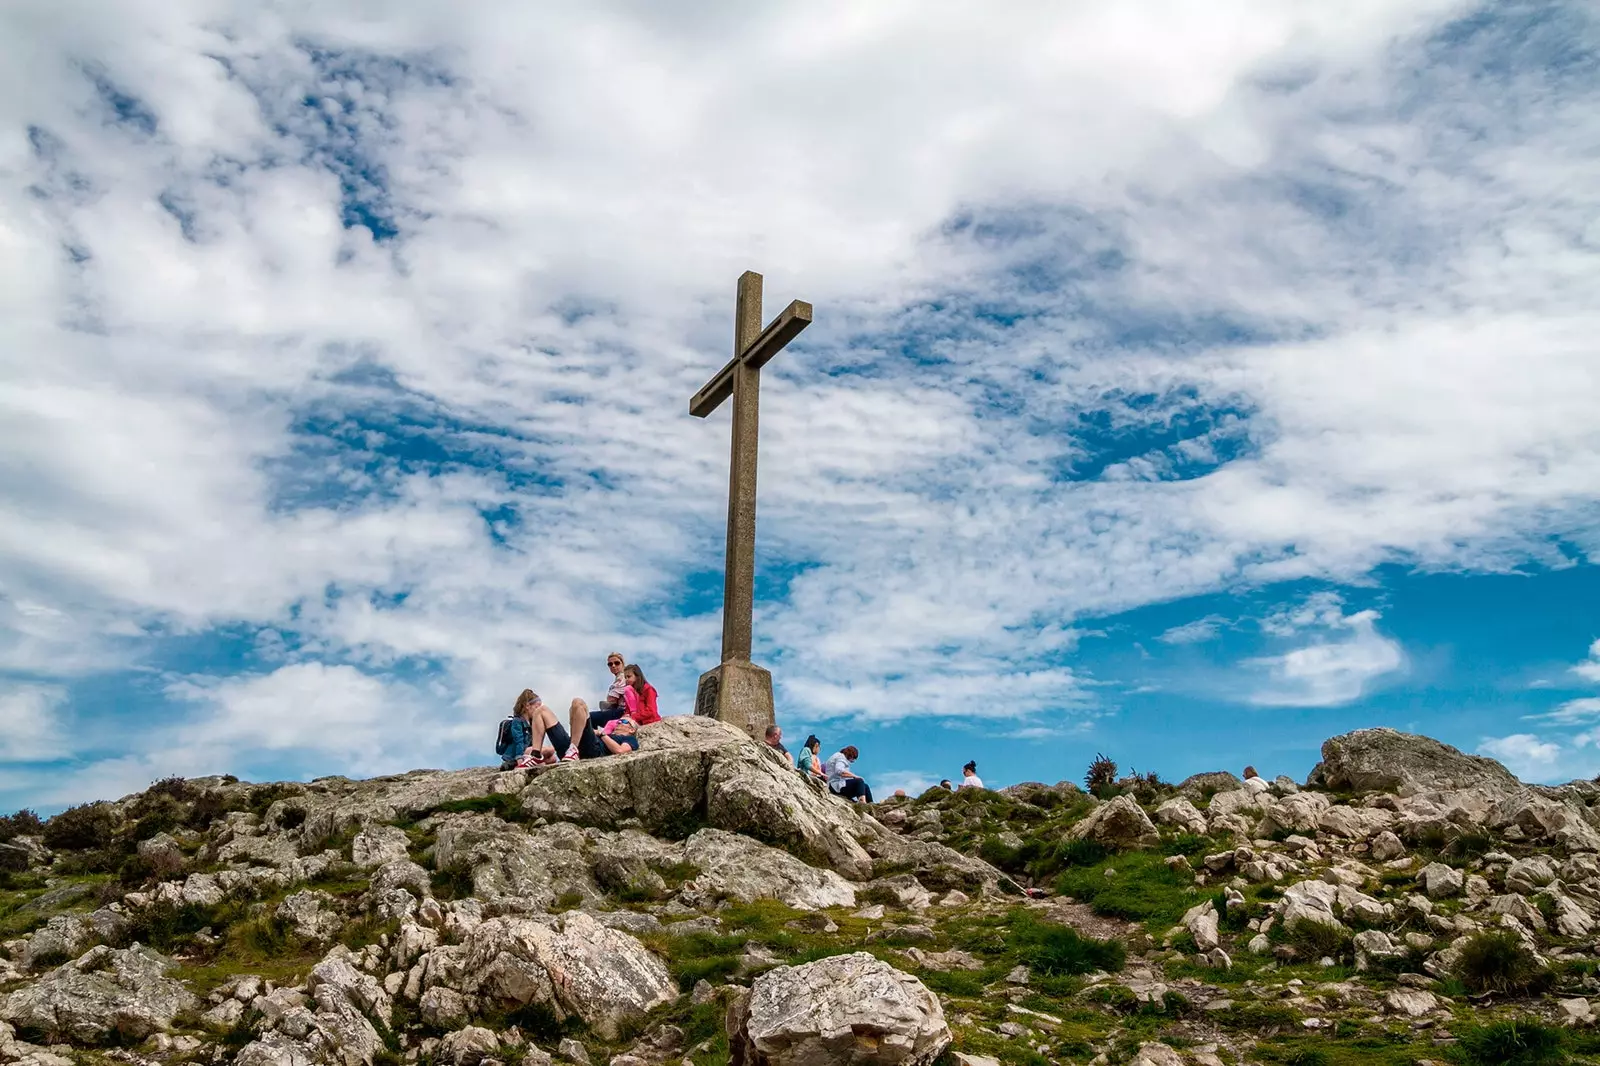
[[841, 781], [969, 776]]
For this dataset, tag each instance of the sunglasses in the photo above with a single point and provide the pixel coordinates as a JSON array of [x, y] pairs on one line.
[[614, 662]]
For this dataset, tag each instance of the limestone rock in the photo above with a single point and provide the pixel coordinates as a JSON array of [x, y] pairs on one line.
[[843, 1009], [103, 995], [687, 765], [1196, 787], [1179, 812], [1386, 847], [733, 866], [1353, 823], [310, 917], [1385, 760], [572, 963], [1440, 881], [379, 844], [1201, 923], [1411, 1002], [1120, 823], [469, 1046], [515, 869]]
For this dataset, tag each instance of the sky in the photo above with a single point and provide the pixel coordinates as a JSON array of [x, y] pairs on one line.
[[1188, 383]]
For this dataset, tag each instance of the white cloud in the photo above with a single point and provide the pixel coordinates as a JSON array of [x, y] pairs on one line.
[[1523, 754], [914, 782], [1589, 669], [1199, 631], [1572, 712], [31, 729], [1336, 667]]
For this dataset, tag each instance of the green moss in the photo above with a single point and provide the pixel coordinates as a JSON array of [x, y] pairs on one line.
[[504, 805]]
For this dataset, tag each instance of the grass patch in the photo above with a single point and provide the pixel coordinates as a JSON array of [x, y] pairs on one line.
[[1060, 951], [1510, 1043], [1141, 889], [503, 805]]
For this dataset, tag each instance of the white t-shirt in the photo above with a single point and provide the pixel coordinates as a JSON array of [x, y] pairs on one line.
[[972, 782]]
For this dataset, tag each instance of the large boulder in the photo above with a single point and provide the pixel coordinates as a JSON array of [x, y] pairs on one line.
[[513, 868], [846, 1009], [691, 771], [735, 867], [102, 997], [571, 963], [1385, 760], [1120, 823]]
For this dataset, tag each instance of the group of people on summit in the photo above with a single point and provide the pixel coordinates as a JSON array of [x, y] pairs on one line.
[[534, 735]]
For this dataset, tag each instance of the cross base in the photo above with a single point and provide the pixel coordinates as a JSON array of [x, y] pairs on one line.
[[738, 693]]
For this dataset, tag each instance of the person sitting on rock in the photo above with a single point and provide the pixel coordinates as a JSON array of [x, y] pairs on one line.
[[550, 739], [613, 698], [841, 781], [969, 776], [774, 740], [515, 744], [810, 762], [639, 696]]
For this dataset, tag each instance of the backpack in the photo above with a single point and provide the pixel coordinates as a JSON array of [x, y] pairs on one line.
[[502, 740]]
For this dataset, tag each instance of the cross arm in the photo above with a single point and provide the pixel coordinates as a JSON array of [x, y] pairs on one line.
[[779, 332]]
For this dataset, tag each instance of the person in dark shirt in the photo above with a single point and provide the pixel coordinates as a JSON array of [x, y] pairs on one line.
[[774, 739]]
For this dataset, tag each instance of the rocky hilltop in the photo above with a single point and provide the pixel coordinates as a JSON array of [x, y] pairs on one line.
[[699, 902]]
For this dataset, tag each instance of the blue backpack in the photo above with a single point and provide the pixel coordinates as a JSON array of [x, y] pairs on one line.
[[502, 740]]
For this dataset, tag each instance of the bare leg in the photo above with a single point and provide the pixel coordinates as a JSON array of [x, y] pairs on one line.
[[543, 719], [578, 719]]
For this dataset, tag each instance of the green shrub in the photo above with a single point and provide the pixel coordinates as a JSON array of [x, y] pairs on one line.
[[81, 828], [1513, 1043], [22, 824], [1498, 961], [1314, 940], [1059, 950], [264, 796], [291, 817], [211, 805], [1100, 776]]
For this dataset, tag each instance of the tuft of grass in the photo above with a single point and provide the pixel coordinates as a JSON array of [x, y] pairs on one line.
[[1498, 961], [1059, 950], [1314, 940], [453, 882], [1511, 1043]]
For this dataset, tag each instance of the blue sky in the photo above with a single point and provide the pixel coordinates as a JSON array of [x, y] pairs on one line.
[[1185, 385]]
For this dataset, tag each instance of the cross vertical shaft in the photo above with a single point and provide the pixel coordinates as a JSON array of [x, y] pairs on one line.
[[739, 571]]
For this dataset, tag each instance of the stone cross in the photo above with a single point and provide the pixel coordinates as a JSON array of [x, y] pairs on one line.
[[738, 692]]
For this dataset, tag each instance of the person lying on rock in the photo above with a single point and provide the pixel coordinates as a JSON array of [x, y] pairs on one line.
[[844, 783], [617, 738], [639, 696]]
